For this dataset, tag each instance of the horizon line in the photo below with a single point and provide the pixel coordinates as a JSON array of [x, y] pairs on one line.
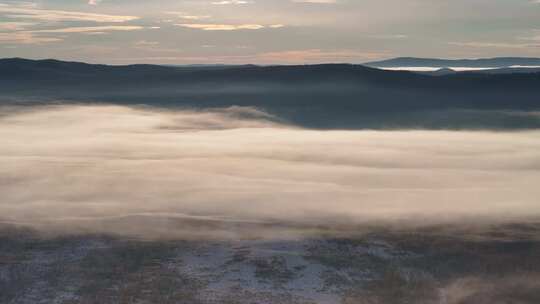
[[269, 64]]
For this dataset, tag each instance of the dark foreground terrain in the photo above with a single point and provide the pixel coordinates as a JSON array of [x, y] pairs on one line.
[[495, 266]]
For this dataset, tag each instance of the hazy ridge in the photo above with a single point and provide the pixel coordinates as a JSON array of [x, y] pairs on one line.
[[329, 96]]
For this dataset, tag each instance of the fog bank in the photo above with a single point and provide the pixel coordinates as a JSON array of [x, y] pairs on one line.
[[140, 171]]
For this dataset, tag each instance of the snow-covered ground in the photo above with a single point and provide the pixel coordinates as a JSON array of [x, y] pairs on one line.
[[95, 269], [291, 271]]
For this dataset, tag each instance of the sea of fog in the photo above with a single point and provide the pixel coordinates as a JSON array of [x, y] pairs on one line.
[[242, 172], [457, 69]]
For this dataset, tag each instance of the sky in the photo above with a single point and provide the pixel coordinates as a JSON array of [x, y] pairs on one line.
[[266, 31]]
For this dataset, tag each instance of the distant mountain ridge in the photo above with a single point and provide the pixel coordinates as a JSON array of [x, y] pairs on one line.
[[19, 71], [497, 62], [329, 96]]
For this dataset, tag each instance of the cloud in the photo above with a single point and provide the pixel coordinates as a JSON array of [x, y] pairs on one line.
[[18, 32], [189, 16], [310, 56], [34, 37], [14, 26], [389, 36], [221, 27], [25, 38], [32, 13], [139, 171], [495, 45], [534, 36], [145, 43], [87, 29], [232, 2], [316, 1], [317, 55]]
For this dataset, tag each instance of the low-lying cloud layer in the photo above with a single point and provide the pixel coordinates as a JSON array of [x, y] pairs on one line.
[[225, 172]]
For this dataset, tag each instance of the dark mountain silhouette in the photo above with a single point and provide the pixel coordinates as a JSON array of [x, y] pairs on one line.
[[318, 96], [498, 62]]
